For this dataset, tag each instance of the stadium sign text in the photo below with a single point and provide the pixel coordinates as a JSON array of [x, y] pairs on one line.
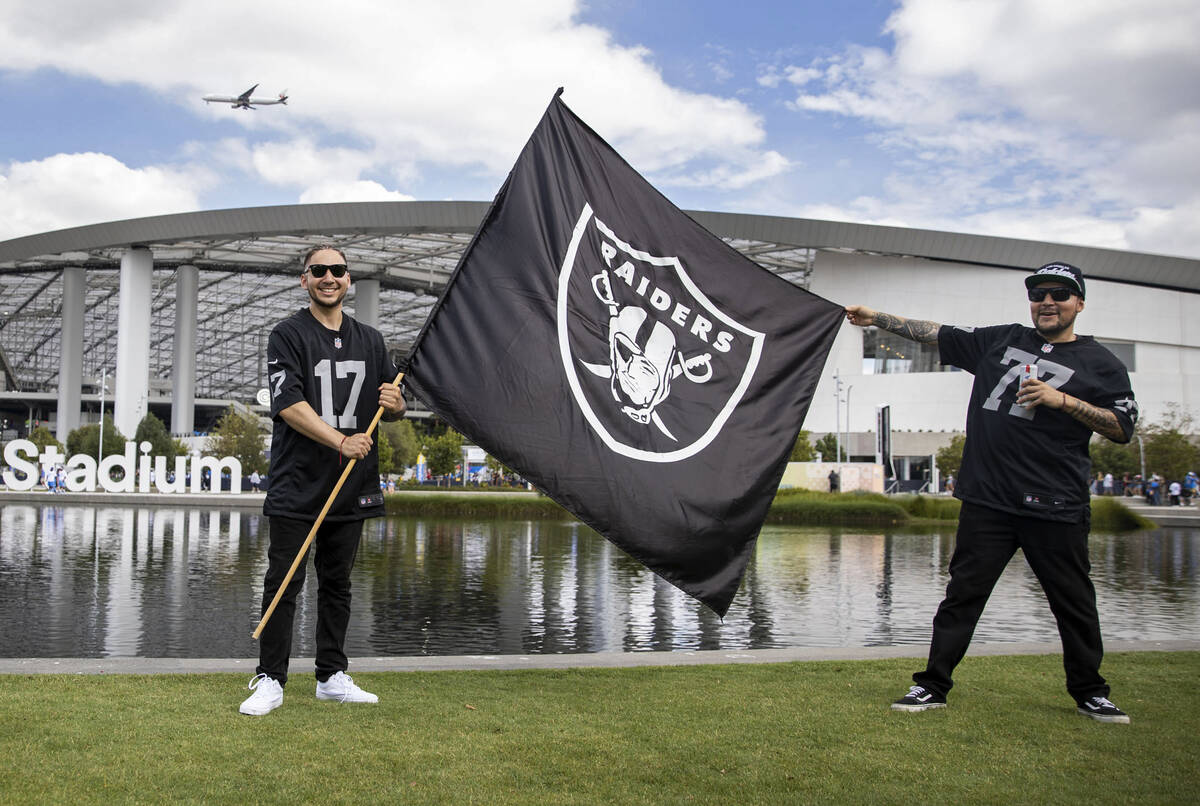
[[82, 474]]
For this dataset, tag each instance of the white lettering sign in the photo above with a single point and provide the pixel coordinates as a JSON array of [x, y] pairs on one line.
[[81, 473]]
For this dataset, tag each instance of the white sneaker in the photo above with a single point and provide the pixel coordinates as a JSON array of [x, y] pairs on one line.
[[267, 696], [341, 687]]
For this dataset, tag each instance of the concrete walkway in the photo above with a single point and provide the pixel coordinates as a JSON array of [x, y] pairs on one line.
[[612, 660], [1164, 516], [205, 500]]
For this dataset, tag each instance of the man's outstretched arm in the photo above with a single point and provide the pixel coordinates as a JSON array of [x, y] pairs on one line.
[[912, 329]]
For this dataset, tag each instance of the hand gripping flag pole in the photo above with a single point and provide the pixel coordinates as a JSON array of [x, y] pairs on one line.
[[337, 488]]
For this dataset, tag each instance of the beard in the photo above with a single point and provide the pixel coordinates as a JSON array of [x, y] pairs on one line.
[[1061, 323], [1051, 330], [324, 303]]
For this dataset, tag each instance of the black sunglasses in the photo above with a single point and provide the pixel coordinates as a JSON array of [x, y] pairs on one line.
[[317, 270], [1058, 294]]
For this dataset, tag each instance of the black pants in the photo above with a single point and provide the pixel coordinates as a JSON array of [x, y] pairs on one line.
[[336, 547], [1057, 553]]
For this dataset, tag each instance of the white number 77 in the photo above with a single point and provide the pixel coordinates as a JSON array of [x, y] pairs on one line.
[[1054, 374]]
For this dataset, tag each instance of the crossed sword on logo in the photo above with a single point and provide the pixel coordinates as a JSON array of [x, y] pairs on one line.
[[602, 287]]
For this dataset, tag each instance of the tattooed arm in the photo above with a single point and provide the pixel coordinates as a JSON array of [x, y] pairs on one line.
[[1103, 421], [911, 329]]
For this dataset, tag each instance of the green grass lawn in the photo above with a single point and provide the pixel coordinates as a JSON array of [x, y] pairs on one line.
[[771, 733], [796, 507]]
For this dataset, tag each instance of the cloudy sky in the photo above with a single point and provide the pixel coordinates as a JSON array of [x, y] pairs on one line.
[[1076, 122]]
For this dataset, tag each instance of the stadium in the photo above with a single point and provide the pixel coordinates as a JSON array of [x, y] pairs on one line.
[[170, 314]]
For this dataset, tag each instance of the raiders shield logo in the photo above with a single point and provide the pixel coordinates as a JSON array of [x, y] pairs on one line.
[[654, 365]]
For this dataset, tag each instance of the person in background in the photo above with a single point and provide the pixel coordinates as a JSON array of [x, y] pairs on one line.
[[1190, 484]]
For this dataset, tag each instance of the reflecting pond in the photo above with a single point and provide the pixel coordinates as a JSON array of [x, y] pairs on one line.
[[78, 581]]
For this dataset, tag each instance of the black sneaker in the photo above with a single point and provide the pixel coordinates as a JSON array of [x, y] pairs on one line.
[[1102, 710], [919, 698]]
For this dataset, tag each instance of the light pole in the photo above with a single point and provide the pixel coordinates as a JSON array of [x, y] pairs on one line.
[[849, 389], [837, 427], [103, 387]]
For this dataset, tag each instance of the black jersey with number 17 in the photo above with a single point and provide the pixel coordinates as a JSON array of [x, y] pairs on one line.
[[338, 373], [1032, 462]]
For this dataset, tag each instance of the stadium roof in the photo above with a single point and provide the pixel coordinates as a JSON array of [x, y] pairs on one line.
[[248, 274]]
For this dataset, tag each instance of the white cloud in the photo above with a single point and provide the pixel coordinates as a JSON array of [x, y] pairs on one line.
[[406, 82], [302, 162], [1169, 231], [802, 75], [1051, 226], [1056, 121], [721, 72], [357, 191], [68, 190], [735, 174], [769, 77]]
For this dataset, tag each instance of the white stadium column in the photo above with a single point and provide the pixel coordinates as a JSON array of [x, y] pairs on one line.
[[366, 302], [133, 340], [183, 382], [70, 368]]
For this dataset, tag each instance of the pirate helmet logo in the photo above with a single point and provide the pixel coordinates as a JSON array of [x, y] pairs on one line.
[[676, 366]]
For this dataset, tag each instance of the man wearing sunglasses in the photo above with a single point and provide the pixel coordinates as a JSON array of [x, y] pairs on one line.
[[328, 374], [1038, 396]]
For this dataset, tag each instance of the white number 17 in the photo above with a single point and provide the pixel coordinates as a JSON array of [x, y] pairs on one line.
[[324, 371]]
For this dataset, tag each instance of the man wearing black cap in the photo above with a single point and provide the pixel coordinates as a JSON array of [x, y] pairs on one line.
[[1039, 394]]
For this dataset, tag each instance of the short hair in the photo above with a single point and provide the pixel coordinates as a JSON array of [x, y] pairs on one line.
[[320, 248]]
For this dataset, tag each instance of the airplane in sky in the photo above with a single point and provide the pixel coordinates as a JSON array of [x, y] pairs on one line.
[[244, 101]]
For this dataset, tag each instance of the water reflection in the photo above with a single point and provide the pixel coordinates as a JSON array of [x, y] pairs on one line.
[[110, 581]]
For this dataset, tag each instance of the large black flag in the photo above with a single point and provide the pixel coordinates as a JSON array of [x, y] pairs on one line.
[[635, 368]]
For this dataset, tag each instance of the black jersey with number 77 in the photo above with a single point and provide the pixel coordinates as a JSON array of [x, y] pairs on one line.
[[1032, 462], [338, 373]]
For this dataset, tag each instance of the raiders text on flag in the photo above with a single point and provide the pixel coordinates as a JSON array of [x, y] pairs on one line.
[[626, 361]]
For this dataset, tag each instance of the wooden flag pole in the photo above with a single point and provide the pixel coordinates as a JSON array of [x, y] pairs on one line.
[[337, 488]]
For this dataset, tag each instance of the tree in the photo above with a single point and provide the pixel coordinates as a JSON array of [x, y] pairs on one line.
[[827, 447], [405, 443], [1169, 449], [444, 452], [86, 439], [42, 437], [153, 430], [384, 451], [1109, 457], [949, 458], [239, 435], [803, 450]]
